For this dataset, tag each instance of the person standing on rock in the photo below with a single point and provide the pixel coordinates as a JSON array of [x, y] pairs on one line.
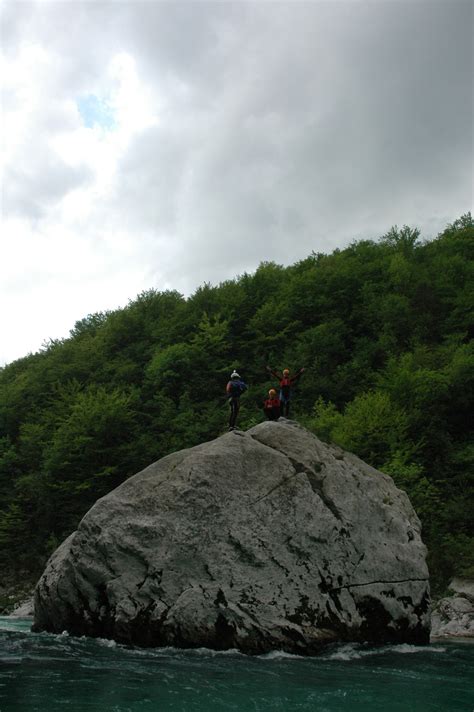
[[286, 384], [271, 406], [235, 388]]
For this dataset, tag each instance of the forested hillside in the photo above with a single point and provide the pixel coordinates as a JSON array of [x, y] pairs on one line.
[[384, 329]]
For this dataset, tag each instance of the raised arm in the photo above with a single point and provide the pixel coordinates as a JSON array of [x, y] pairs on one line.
[[298, 375], [275, 374]]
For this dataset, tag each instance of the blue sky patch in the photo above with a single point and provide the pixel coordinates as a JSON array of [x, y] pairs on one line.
[[96, 112]]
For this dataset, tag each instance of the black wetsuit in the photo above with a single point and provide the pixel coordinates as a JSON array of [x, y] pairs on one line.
[[234, 389]]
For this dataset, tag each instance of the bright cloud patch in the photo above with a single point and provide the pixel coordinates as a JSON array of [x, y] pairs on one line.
[[96, 112]]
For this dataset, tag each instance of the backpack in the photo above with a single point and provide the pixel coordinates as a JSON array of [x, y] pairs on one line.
[[235, 388]]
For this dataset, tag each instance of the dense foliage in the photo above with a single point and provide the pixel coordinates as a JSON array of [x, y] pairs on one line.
[[384, 329]]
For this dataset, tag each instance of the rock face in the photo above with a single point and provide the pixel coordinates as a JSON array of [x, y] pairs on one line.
[[268, 539], [453, 616]]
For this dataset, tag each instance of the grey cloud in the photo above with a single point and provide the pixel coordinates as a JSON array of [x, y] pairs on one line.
[[374, 139], [30, 188], [82, 35], [282, 124], [153, 176]]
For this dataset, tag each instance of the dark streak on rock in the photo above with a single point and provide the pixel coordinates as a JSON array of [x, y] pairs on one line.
[[221, 600], [371, 583]]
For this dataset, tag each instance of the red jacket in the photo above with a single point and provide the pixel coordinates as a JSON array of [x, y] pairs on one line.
[[286, 381], [271, 403]]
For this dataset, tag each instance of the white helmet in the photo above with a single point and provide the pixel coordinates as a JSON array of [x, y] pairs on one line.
[[234, 374]]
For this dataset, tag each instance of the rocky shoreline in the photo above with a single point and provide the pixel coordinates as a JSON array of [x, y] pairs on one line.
[[453, 616], [16, 599]]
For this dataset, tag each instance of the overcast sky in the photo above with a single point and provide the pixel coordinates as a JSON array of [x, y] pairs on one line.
[[167, 144]]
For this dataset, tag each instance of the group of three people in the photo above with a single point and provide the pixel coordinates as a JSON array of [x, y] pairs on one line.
[[274, 406]]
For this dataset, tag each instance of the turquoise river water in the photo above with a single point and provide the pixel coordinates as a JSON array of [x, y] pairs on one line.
[[52, 673]]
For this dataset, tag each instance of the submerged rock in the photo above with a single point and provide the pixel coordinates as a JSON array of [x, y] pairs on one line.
[[268, 539]]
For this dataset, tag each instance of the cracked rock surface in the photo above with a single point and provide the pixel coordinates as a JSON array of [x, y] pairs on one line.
[[268, 539]]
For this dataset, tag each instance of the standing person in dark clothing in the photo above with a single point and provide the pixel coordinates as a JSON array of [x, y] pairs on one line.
[[235, 388], [271, 406], [286, 384]]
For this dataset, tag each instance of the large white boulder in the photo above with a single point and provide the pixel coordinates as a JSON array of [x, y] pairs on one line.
[[258, 540]]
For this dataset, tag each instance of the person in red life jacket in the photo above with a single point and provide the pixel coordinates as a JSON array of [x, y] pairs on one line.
[[286, 384], [235, 388], [271, 406]]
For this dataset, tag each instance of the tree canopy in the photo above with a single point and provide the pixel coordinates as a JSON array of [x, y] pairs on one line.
[[384, 329]]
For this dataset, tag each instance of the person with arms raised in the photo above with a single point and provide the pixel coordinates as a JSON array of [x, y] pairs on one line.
[[286, 384]]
